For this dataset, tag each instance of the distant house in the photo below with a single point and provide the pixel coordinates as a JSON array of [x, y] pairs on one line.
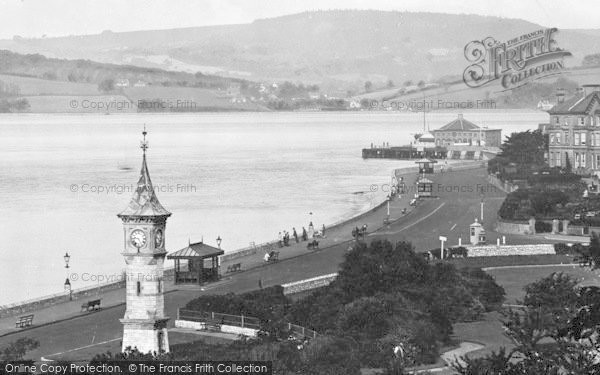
[[354, 104], [122, 82], [464, 132], [234, 89], [139, 83], [545, 105]]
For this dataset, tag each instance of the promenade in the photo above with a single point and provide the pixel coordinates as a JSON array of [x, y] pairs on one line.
[[63, 329]]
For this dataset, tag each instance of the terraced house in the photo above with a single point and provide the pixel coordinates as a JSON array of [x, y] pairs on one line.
[[574, 131]]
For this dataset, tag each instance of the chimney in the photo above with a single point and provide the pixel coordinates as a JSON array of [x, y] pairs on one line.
[[460, 116], [560, 95], [580, 91]]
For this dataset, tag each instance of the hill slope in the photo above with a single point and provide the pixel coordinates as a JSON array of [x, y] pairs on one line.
[[323, 46]]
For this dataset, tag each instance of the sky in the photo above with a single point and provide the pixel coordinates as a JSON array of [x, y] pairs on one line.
[[36, 18]]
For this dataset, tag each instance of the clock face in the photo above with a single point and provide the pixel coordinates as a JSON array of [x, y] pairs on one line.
[[158, 238], [138, 238]]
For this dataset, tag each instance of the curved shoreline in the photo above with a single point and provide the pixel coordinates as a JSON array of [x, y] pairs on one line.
[[57, 298]]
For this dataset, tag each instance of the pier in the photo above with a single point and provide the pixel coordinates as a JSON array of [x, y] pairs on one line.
[[404, 153]]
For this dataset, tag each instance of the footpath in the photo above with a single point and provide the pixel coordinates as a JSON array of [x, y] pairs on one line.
[[374, 219]]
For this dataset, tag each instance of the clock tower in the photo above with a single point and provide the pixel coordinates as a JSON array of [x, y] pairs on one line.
[[144, 220]]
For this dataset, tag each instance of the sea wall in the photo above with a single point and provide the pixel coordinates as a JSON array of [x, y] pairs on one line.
[[83, 294], [504, 250]]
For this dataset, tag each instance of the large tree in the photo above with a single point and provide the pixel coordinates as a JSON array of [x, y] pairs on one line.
[[524, 148]]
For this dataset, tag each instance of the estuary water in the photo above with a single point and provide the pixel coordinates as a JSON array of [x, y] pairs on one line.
[[241, 176]]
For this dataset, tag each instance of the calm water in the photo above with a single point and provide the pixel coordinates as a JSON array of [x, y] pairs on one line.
[[243, 177]]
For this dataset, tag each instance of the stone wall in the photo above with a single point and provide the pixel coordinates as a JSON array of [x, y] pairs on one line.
[[503, 250], [502, 185], [190, 325], [308, 284], [239, 330], [513, 227]]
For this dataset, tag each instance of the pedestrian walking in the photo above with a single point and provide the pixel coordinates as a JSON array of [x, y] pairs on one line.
[[323, 230], [295, 234], [259, 283], [304, 234], [311, 230], [280, 239]]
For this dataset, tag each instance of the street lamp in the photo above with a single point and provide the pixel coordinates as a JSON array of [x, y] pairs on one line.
[[219, 240], [67, 284], [68, 288]]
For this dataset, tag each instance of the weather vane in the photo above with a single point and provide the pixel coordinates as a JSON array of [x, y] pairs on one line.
[[144, 143]]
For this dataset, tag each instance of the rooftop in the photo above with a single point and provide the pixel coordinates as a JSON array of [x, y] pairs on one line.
[[578, 104], [196, 250], [459, 124]]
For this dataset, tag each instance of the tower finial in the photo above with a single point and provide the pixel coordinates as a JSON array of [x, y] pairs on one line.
[[144, 143]]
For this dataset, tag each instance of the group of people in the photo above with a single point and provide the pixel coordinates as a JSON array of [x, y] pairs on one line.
[[359, 232], [284, 236]]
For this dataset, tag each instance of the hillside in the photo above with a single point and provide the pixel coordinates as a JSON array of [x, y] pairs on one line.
[[331, 48], [34, 83]]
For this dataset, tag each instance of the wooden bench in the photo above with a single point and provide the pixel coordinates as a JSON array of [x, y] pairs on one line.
[[212, 327], [274, 257], [314, 245], [91, 305], [24, 321], [234, 268]]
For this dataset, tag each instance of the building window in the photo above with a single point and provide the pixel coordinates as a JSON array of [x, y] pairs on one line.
[[558, 137], [582, 121], [139, 288], [557, 161], [556, 120], [583, 160], [576, 139], [597, 160], [566, 138], [583, 139], [160, 285]]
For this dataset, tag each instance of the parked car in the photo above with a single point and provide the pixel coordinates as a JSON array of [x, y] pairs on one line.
[[577, 216]]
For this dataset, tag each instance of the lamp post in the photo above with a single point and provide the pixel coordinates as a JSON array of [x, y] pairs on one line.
[[67, 285], [219, 240], [481, 213], [68, 289], [442, 240]]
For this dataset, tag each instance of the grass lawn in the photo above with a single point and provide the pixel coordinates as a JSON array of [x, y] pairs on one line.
[[513, 280], [488, 332]]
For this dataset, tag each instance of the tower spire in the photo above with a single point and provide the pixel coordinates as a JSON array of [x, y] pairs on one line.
[[144, 144], [144, 201]]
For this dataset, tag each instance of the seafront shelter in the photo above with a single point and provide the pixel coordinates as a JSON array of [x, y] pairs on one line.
[[425, 188], [425, 165], [197, 263]]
